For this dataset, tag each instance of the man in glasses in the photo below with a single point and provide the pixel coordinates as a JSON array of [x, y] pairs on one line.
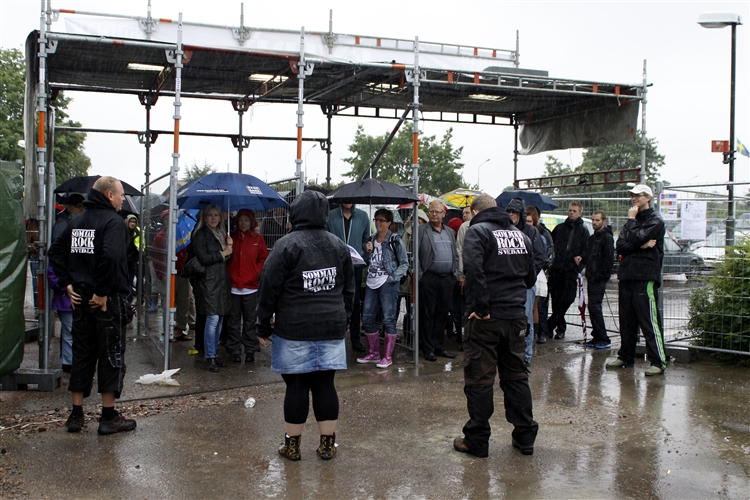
[[438, 270], [641, 245]]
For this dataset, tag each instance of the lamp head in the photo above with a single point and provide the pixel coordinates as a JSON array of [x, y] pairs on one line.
[[715, 20]]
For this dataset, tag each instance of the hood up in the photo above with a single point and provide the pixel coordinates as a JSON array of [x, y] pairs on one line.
[[309, 210]]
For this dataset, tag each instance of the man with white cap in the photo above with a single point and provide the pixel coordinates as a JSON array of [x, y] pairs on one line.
[[641, 245]]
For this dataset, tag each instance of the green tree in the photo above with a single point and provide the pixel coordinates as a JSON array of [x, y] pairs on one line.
[[605, 158], [70, 160], [439, 166], [195, 171]]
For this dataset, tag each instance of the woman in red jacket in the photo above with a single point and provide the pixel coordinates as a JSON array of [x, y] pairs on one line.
[[249, 255]]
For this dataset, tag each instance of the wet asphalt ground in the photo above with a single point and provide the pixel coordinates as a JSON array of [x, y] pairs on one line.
[[603, 433]]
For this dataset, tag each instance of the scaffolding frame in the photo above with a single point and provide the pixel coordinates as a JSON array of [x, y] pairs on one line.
[[387, 90]]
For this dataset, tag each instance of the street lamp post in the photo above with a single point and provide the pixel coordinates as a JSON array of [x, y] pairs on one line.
[[308, 152], [722, 20], [478, 171]]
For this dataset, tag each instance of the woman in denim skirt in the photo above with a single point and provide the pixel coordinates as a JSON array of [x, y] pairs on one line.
[[307, 286]]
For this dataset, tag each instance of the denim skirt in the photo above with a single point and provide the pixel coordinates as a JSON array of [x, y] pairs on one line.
[[306, 356]]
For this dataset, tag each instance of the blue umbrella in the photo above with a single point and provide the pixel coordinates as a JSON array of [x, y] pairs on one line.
[[185, 223], [541, 201], [230, 191]]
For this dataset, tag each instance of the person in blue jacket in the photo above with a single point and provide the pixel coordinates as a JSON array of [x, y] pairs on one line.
[[352, 226]]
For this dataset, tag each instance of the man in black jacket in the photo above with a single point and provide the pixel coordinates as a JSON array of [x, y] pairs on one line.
[[570, 240], [641, 245], [89, 260], [599, 261], [499, 268], [517, 210]]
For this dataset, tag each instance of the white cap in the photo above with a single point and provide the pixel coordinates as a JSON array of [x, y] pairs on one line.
[[641, 188]]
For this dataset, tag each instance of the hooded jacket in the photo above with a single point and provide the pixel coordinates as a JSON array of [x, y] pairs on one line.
[[91, 250], [641, 263], [249, 253], [517, 205], [499, 266], [308, 279], [570, 238], [359, 229], [600, 256]]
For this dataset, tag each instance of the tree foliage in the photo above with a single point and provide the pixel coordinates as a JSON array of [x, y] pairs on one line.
[[69, 157], [719, 313], [606, 158], [195, 171], [439, 166]]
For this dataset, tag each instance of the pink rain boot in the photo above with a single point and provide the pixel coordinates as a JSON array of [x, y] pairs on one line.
[[373, 340], [390, 343]]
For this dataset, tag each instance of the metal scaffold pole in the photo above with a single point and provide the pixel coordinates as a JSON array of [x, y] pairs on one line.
[[303, 69], [644, 142], [415, 218], [42, 172], [169, 307]]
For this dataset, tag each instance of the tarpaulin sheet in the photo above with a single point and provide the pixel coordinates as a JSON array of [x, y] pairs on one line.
[[12, 267]]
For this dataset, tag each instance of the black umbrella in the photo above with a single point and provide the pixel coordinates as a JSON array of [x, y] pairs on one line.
[[369, 191], [530, 198], [128, 207], [152, 201], [82, 186]]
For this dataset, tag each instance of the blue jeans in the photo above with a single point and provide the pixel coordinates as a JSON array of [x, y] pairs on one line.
[[66, 337], [530, 297], [386, 297], [212, 334]]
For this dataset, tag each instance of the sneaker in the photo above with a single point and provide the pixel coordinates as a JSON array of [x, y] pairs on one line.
[[603, 345], [74, 423], [589, 343], [459, 444], [117, 424], [250, 357], [541, 340], [654, 370], [559, 335], [618, 363]]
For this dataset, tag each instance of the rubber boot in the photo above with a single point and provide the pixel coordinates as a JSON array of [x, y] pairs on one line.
[[373, 340], [154, 304], [290, 448], [390, 343], [327, 448]]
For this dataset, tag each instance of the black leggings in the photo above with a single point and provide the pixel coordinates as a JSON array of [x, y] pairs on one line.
[[297, 399]]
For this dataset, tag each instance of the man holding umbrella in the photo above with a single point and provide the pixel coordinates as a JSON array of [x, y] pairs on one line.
[[352, 226]]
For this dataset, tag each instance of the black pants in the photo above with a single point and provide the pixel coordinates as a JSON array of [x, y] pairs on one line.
[[457, 307], [639, 307], [240, 324], [200, 329], [355, 322], [543, 309], [596, 297], [497, 346], [562, 290], [434, 299], [98, 346], [297, 399]]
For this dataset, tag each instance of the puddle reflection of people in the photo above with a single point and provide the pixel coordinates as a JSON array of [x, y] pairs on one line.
[[308, 283]]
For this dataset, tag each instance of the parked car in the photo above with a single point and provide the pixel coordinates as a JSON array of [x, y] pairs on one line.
[[678, 259], [713, 247]]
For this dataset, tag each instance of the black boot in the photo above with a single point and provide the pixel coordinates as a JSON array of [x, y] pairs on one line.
[[327, 448], [212, 366], [290, 448]]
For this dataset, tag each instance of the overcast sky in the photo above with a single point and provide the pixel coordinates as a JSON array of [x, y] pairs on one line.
[[688, 66]]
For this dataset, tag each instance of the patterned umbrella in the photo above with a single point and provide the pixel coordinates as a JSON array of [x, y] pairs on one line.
[[461, 197]]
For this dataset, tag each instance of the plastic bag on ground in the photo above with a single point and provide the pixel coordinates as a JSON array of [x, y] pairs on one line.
[[163, 378]]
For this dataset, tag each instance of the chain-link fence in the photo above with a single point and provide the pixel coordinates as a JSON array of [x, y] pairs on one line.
[[703, 296]]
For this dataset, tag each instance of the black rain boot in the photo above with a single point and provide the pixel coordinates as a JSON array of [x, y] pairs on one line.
[[327, 448], [290, 448]]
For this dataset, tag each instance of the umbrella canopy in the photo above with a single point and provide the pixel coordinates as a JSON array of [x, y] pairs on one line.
[[541, 201], [152, 201], [461, 197], [230, 191], [372, 191], [425, 199], [128, 207], [185, 223], [82, 186]]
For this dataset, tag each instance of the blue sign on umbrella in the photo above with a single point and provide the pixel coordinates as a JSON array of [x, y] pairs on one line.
[[230, 191]]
